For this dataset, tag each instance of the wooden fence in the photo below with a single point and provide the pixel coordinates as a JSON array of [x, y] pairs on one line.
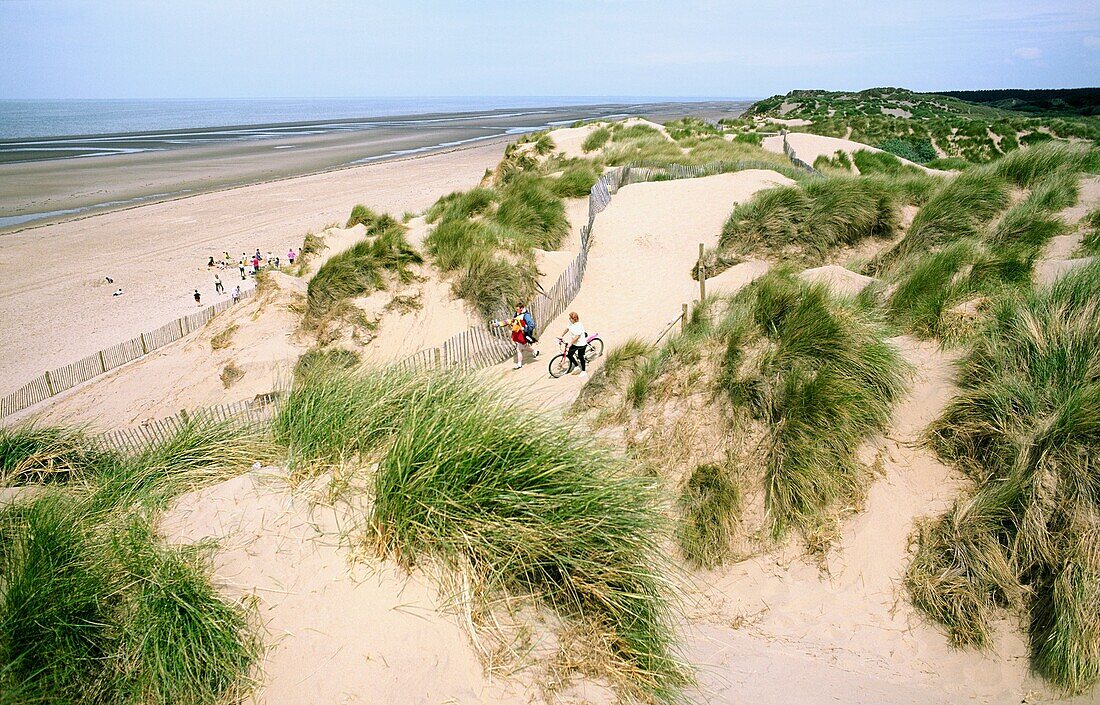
[[789, 151], [56, 381], [257, 411]]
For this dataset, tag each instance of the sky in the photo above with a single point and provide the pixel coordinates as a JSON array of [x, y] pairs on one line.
[[336, 48]]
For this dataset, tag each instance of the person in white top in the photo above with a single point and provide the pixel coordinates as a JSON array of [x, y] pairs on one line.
[[577, 340]]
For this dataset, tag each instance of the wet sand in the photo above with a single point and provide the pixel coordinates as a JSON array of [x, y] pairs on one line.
[[35, 193]]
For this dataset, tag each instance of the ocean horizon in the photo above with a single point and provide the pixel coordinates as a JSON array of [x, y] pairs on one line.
[[22, 119]]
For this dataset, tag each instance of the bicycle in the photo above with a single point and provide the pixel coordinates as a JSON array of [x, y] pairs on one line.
[[561, 365]]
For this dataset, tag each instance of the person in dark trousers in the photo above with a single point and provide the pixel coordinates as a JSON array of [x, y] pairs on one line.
[[198, 297], [218, 287], [577, 340]]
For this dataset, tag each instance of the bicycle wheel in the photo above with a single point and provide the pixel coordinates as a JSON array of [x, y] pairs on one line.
[[593, 350], [560, 366]]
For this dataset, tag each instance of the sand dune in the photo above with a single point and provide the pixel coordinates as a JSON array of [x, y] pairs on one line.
[[809, 147]]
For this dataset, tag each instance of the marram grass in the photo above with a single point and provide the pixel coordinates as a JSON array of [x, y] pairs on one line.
[[1026, 428], [93, 608], [530, 505]]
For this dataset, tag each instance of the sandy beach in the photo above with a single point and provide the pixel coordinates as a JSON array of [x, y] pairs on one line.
[[57, 306]]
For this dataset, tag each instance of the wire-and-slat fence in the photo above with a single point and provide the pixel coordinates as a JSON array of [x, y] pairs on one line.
[[68, 376]]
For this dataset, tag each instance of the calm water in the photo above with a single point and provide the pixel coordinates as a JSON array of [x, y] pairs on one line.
[[56, 118]]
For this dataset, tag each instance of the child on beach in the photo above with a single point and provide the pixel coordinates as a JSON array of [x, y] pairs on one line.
[[198, 297], [241, 264], [218, 288], [290, 256], [237, 294]]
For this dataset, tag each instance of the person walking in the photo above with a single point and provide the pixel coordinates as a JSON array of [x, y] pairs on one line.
[[237, 294], [198, 297], [291, 256], [577, 339], [242, 265], [521, 335], [218, 288]]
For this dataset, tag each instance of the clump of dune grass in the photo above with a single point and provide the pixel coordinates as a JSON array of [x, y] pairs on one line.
[[944, 274], [802, 378], [224, 339], [576, 181], [461, 204], [621, 360], [869, 162], [709, 502], [806, 223], [1024, 429], [958, 209], [93, 608], [365, 267], [818, 373], [931, 285], [487, 237], [523, 504], [1028, 167], [34, 454], [311, 246], [596, 139], [231, 374], [324, 358]]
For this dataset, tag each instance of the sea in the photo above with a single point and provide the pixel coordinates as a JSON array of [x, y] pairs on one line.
[[22, 119]]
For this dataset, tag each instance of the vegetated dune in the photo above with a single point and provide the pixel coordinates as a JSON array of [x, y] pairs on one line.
[[570, 140], [809, 147]]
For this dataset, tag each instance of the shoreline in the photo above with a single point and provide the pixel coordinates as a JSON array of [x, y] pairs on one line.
[[94, 212], [38, 193]]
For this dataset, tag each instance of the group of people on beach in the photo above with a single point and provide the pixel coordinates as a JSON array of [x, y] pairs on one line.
[[575, 337], [248, 265], [251, 264]]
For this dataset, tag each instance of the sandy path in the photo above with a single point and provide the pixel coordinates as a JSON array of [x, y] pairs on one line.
[[639, 267], [56, 308]]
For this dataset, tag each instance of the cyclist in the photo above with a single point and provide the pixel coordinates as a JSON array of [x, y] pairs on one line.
[[576, 338]]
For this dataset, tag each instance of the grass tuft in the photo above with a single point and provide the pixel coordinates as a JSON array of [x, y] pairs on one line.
[[709, 503], [525, 504], [1025, 427]]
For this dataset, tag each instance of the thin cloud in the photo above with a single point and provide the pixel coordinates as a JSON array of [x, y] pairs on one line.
[[1029, 53]]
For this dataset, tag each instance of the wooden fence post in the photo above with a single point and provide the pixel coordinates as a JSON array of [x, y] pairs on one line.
[[102, 362], [144, 347], [49, 383], [180, 321], [683, 317], [183, 415], [702, 275]]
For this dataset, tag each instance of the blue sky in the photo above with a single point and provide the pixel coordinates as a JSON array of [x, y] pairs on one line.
[[274, 48]]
